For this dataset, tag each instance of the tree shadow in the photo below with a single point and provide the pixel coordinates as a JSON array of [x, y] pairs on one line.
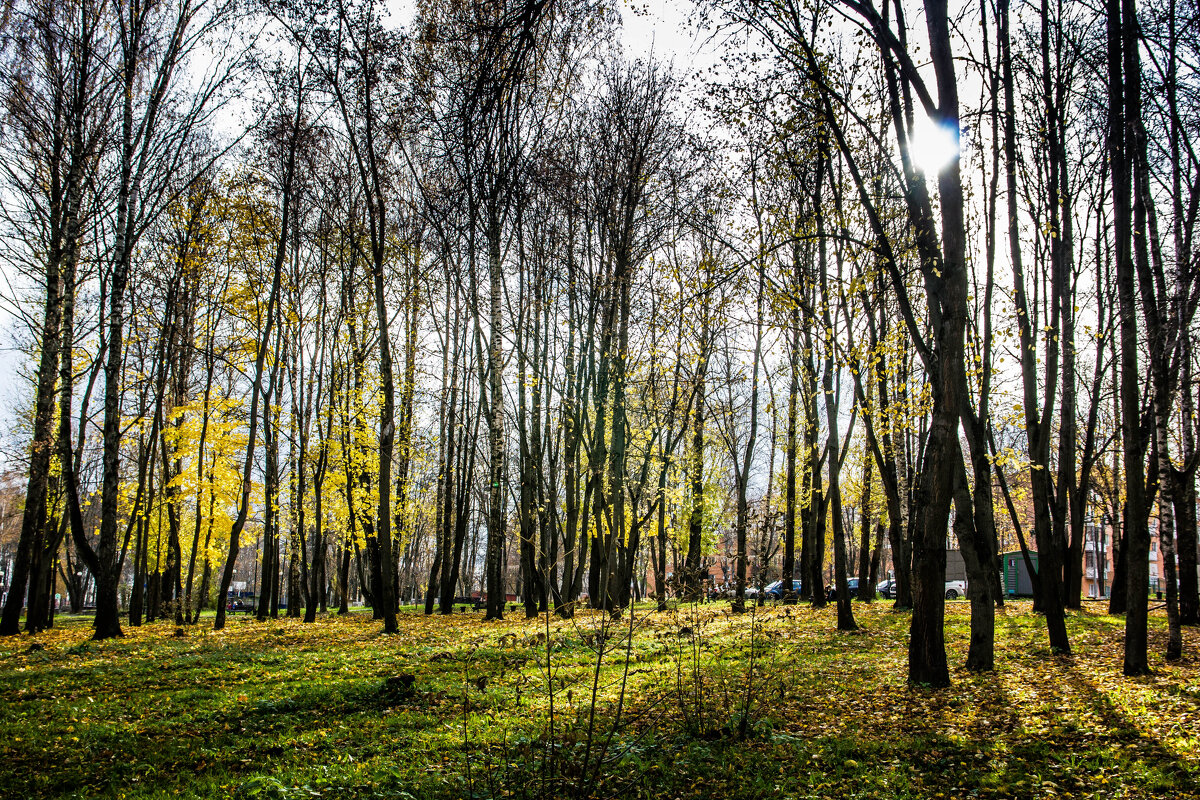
[[1123, 731]]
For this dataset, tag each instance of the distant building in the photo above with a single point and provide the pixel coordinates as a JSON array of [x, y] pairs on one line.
[[1099, 567], [1097, 562]]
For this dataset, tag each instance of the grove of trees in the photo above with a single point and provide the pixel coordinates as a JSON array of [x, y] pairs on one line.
[[478, 303]]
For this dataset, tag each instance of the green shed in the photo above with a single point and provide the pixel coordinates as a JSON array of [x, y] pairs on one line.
[[1016, 575]]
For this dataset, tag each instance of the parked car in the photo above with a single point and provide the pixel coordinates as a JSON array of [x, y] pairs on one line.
[[851, 585], [954, 589], [774, 590]]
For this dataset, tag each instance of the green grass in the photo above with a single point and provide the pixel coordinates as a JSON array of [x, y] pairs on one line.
[[286, 710]]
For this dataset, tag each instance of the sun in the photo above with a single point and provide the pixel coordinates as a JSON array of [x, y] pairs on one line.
[[933, 146]]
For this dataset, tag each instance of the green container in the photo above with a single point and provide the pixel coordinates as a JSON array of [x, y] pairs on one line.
[[1017, 582]]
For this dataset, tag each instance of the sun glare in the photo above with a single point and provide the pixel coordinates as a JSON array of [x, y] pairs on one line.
[[933, 146]]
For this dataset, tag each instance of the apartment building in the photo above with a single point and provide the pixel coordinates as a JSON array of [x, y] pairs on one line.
[[1098, 564]]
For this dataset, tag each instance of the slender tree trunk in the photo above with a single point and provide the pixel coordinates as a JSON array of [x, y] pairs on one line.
[[693, 575], [1124, 77], [866, 589], [493, 562], [788, 593], [33, 519]]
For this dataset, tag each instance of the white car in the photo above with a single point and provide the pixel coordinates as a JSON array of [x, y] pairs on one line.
[[956, 589]]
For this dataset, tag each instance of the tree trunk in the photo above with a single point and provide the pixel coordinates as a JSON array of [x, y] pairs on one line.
[[493, 562], [788, 593], [1124, 78], [866, 588], [1184, 497], [33, 519]]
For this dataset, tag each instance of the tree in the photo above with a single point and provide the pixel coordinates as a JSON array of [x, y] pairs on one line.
[[57, 104]]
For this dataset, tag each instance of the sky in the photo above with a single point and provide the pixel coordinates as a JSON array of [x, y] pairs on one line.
[[13, 390], [659, 27]]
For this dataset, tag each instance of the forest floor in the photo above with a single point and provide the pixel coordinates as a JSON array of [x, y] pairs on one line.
[[697, 703]]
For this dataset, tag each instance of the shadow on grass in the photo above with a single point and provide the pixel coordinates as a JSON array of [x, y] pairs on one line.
[[1160, 765]]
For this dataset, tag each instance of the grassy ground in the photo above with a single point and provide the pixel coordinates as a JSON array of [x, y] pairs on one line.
[[695, 704]]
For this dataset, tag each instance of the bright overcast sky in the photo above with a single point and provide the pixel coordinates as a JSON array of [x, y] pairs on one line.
[[659, 27]]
